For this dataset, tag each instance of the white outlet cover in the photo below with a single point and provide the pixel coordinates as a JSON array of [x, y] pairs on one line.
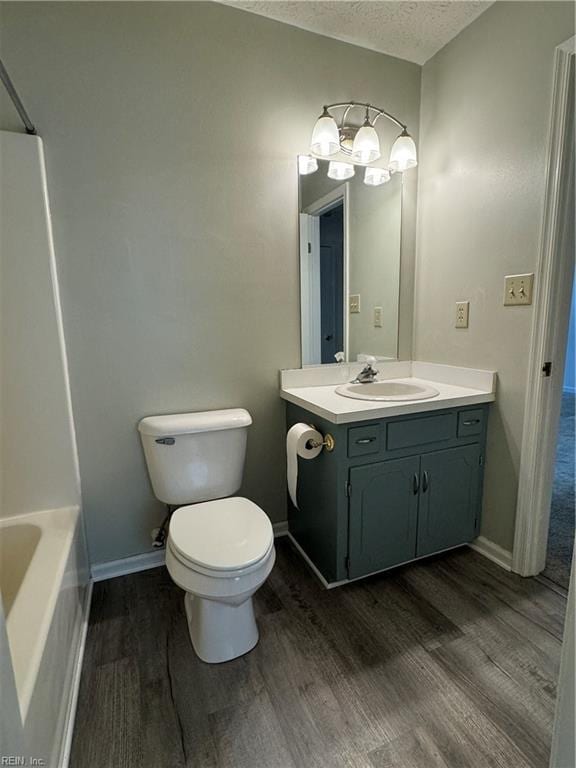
[[378, 313], [462, 314]]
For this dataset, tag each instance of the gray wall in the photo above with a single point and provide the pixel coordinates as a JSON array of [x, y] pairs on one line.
[[170, 133], [484, 118]]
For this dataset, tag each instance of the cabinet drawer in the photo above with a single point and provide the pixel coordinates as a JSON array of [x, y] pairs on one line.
[[410, 433], [470, 422], [364, 440]]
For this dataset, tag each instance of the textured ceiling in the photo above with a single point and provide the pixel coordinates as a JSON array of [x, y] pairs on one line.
[[408, 30]]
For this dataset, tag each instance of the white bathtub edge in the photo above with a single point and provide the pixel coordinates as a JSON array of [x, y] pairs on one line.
[[75, 683], [60, 534]]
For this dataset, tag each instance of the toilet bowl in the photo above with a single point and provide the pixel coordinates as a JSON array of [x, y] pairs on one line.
[[220, 547], [220, 553]]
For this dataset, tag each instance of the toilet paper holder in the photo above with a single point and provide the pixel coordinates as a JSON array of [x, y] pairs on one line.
[[328, 442]]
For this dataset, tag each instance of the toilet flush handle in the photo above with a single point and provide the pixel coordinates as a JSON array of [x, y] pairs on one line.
[[165, 441]]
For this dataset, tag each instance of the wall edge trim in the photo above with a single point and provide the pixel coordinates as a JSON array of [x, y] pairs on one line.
[[66, 745]]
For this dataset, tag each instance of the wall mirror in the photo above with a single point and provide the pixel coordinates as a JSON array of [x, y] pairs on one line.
[[349, 263]]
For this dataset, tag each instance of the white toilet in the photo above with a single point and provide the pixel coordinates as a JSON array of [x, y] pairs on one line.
[[219, 550]]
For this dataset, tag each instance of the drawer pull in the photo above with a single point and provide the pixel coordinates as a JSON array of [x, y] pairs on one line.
[[425, 482], [470, 422], [365, 440]]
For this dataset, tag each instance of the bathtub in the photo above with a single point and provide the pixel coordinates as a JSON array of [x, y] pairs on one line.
[[43, 583]]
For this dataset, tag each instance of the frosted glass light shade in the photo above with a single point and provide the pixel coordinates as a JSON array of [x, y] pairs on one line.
[[340, 171], [366, 147], [403, 154], [307, 164], [325, 136], [376, 176]]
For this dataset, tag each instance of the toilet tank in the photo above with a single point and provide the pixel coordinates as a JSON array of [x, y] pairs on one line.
[[194, 457]]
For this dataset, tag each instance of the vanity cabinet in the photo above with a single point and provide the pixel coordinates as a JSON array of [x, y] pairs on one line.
[[391, 491], [383, 515], [449, 509]]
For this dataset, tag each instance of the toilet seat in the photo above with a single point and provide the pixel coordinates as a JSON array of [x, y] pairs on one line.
[[223, 538]]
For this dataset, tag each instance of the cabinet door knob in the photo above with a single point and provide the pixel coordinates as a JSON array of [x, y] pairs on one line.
[[425, 482], [415, 483]]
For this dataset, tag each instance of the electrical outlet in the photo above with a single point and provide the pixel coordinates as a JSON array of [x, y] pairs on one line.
[[462, 314], [354, 301], [518, 290], [378, 312]]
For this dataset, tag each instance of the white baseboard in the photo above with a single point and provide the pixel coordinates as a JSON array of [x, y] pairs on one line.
[[154, 559], [133, 564], [315, 570], [493, 552], [75, 683], [280, 529]]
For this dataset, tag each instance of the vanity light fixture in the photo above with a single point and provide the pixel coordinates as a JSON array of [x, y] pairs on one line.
[[340, 171], [376, 176], [307, 164], [360, 142]]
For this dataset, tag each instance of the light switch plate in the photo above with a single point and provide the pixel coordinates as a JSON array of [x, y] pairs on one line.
[[462, 314], [518, 290], [354, 302], [378, 317]]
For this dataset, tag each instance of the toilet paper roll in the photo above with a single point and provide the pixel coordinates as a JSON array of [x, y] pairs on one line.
[[297, 441]]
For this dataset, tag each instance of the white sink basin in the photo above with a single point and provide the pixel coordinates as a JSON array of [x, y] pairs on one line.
[[387, 390]]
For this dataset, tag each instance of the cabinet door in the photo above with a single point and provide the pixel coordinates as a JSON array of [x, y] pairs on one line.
[[449, 498], [383, 515]]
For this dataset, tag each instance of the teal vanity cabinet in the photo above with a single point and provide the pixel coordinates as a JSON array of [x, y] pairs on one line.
[[391, 491]]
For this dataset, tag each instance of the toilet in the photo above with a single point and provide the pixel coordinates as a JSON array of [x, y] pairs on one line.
[[220, 547]]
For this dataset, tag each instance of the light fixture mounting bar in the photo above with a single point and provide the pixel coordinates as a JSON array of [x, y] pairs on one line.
[[377, 112], [11, 90]]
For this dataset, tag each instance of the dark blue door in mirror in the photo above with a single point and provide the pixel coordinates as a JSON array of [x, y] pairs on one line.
[[331, 282]]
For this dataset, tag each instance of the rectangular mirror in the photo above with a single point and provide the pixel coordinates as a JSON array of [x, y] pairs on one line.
[[349, 266]]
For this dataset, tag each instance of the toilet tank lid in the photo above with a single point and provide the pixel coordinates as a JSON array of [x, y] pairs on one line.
[[189, 423]]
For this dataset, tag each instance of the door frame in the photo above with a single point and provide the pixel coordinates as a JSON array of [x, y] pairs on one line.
[[309, 289], [553, 288], [322, 205]]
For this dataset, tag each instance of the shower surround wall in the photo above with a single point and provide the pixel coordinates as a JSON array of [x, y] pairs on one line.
[[44, 567], [171, 133], [38, 452]]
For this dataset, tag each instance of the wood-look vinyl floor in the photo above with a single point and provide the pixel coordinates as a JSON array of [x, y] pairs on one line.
[[447, 663]]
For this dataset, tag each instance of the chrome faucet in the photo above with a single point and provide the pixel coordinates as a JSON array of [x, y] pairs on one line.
[[367, 375]]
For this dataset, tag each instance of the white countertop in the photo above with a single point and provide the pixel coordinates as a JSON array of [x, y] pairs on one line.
[[323, 400]]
